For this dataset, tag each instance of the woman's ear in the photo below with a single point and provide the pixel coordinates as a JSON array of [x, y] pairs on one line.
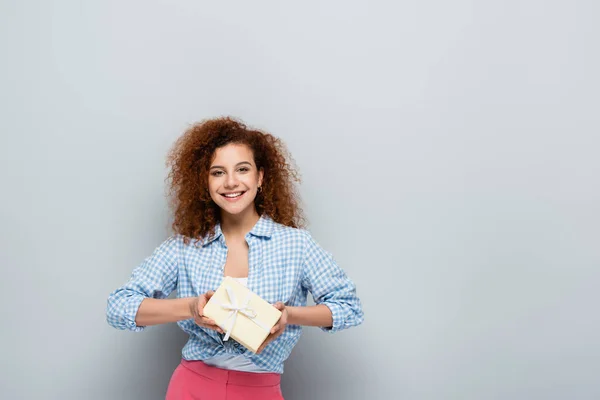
[[261, 173]]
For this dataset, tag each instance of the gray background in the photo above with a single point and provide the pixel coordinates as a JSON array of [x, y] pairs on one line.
[[450, 161]]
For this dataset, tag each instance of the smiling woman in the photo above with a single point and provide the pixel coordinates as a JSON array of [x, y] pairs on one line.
[[236, 214], [233, 187], [206, 154]]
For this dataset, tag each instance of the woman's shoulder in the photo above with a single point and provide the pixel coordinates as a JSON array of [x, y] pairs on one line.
[[295, 235], [290, 231], [171, 243], [177, 242]]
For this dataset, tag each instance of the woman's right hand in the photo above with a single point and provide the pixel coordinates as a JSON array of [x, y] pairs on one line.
[[197, 308]]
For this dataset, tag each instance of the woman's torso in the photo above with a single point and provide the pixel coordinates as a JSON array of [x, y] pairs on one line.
[[273, 272]]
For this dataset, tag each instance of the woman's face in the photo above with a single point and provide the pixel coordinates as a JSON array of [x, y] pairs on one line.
[[233, 178]]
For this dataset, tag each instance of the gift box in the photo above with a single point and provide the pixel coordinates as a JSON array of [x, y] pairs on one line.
[[241, 313]]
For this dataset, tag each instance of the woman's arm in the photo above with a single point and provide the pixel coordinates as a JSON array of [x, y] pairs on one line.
[[163, 311], [319, 315], [331, 288], [146, 291], [338, 306]]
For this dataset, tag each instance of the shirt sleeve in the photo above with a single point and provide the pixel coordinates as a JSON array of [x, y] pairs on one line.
[[156, 277], [329, 285]]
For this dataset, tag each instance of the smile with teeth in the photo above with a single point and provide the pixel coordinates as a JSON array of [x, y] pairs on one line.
[[233, 195]]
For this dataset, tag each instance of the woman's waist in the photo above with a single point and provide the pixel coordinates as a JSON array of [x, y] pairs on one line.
[[233, 377], [203, 346]]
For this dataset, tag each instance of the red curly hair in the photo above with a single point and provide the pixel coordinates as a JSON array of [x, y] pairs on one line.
[[194, 212]]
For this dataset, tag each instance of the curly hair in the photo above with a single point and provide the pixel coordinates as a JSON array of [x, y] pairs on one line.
[[194, 212]]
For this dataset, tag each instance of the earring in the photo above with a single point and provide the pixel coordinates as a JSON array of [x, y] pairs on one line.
[[259, 189]]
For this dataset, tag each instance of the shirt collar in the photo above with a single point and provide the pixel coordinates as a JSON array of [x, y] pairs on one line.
[[263, 228]]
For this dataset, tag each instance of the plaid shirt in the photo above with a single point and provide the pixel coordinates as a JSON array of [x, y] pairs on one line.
[[284, 264]]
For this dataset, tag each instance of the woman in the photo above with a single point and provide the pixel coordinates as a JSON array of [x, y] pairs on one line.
[[236, 214]]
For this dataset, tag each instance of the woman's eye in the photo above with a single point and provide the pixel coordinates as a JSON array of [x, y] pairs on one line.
[[217, 173], [244, 169]]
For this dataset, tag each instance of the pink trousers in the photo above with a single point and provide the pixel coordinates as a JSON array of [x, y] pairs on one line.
[[194, 380]]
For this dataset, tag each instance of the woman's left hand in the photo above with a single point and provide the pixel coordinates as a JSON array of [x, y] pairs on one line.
[[278, 328]]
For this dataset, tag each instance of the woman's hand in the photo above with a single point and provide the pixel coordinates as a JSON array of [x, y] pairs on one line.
[[278, 328], [197, 308]]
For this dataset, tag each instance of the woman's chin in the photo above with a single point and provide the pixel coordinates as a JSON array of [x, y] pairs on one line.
[[235, 210]]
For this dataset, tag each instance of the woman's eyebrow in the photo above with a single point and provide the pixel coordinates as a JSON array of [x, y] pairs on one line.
[[238, 164]]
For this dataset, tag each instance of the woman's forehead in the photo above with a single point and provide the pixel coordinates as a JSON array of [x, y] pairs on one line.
[[232, 154]]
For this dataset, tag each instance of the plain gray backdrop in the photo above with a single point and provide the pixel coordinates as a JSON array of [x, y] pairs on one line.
[[450, 157]]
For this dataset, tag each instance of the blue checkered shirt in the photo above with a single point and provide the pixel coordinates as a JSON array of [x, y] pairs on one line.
[[284, 264]]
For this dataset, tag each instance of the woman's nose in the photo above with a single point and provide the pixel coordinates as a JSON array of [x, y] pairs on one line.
[[231, 181]]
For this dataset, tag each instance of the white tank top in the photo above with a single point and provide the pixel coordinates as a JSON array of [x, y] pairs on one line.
[[237, 362]]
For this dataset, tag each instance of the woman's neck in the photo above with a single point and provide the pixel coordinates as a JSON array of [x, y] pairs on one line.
[[237, 226]]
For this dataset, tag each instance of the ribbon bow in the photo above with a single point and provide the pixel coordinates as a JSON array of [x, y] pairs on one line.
[[235, 309]]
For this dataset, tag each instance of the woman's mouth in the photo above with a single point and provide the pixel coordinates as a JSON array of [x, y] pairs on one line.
[[235, 196]]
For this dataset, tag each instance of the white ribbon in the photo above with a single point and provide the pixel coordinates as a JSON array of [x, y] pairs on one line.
[[235, 310]]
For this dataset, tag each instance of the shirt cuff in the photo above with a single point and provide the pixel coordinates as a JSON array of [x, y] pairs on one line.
[[337, 315], [130, 312]]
